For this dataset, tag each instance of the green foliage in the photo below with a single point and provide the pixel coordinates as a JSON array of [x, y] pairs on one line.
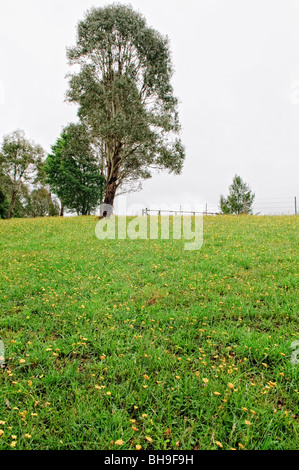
[[21, 201], [40, 204], [73, 171], [4, 205], [5, 185], [125, 96], [19, 205], [20, 160], [239, 200]]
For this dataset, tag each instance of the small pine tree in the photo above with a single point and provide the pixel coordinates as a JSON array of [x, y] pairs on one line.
[[239, 199]]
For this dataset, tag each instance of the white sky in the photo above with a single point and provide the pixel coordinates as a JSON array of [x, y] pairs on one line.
[[236, 75]]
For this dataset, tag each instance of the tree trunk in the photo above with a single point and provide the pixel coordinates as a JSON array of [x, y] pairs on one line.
[[12, 203], [111, 187], [110, 193], [62, 210]]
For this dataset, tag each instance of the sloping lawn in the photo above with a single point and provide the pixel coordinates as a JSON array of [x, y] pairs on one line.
[[120, 343]]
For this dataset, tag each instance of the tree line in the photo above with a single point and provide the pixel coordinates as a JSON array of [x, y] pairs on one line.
[[33, 185]]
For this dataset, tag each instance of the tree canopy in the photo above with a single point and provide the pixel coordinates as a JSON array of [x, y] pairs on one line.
[[125, 96], [73, 170], [239, 199], [20, 161], [40, 204]]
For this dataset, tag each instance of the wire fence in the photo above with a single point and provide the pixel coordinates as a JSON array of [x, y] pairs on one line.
[[276, 206], [178, 212], [265, 206]]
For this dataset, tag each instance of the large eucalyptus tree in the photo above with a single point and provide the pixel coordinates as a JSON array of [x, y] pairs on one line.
[[125, 96]]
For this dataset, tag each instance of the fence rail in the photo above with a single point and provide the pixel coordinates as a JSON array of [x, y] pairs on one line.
[[146, 212]]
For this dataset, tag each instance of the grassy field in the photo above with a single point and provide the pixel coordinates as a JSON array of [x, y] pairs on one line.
[[117, 344]]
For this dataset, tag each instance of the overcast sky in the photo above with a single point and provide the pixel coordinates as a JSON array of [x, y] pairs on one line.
[[236, 76]]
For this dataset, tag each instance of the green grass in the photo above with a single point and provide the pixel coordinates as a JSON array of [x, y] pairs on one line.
[[112, 340]]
